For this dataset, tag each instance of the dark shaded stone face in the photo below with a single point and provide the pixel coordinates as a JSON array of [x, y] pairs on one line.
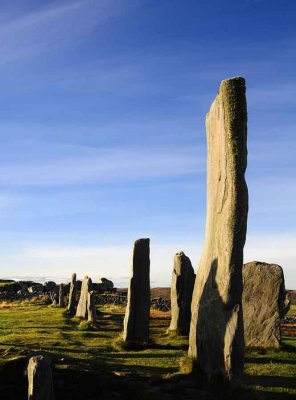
[[216, 332], [72, 295], [136, 321], [183, 278], [91, 308], [40, 384], [264, 303]]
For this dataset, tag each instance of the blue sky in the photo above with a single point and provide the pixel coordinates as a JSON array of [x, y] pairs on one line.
[[102, 124]]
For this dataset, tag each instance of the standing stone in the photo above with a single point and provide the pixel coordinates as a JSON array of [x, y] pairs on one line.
[[216, 339], [82, 305], [72, 296], [136, 320], [61, 295], [265, 302], [91, 308], [181, 294], [40, 378], [54, 294]]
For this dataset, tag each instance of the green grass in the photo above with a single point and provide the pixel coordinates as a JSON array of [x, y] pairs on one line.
[[28, 327], [2, 284], [292, 311]]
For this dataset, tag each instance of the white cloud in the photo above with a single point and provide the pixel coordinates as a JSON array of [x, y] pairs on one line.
[[110, 261], [113, 262], [274, 248], [52, 26], [86, 165]]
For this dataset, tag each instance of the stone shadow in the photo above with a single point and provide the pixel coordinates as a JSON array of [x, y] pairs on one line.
[[215, 318]]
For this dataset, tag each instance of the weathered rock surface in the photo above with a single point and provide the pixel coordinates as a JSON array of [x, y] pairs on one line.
[[40, 378], [216, 332], [104, 284], [91, 308], [72, 296], [181, 294], [136, 320], [61, 295], [265, 302], [82, 305]]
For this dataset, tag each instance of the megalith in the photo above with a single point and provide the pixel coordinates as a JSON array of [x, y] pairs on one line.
[[91, 308], [183, 278], [86, 287], [40, 384], [265, 302], [136, 320], [216, 340], [72, 295], [61, 295]]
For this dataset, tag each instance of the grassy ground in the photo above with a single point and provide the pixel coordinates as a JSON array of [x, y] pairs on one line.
[[83, 357]]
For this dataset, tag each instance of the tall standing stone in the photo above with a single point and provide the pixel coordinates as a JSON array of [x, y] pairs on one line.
[[136, 320], [40, 378], [91, 308], [265, 302], [82, 304], [72, 295], [61, 295], [216, 339], [181, 294]]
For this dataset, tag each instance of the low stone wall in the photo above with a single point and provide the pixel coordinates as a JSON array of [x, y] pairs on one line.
[[100, 299], [158, 303]]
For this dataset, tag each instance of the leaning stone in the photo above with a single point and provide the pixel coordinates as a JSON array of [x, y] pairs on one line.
[[91, 308], [265, 302], [82, 305], [136, 320], [40, 378], [181, 294], [72, 295], [216, 339]]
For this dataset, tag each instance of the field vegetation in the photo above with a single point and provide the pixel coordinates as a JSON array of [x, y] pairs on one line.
[[89, 364]]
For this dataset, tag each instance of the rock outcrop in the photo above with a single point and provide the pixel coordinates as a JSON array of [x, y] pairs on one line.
[[216, 339], [181, 294], [105, 285], [136, 320], [265, 302], [40, 384]]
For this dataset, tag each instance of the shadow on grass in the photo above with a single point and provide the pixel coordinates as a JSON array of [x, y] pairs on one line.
[[272, 381], [268, 360], [265, 395], [168, 346]]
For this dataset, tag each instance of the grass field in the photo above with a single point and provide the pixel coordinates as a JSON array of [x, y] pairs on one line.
[[89, 358]]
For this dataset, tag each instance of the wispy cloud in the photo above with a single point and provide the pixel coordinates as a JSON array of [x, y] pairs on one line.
[[86, 165], [111, 261], [52, 26], [114, 261]]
